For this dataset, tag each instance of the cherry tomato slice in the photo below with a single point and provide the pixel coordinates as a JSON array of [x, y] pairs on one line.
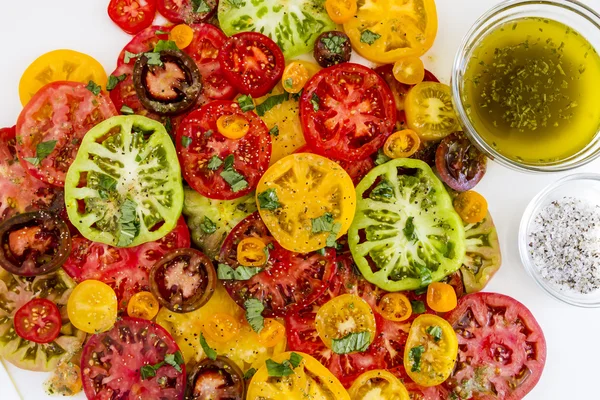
[[409, 70], [296, 74], [221, 327], [402, 144], [272, 333], [471, 206], [395, 307], [251, 252], [187, 11], [92, 306], [182, 35], [460, 164], [341, 11], [441, 297], [38, 320], [143, 305], [232, 126], [252, 62], [347, 112], [132, 16]]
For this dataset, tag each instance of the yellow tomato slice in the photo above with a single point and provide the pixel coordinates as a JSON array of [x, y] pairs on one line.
[[430, 351], [182, 35], [441, 297], [92, 306], [60, 65], [378, 384], [221, 327], [283, 122], [409, 70], [232, 126], [395, 307], [296, 74], [272, 333], [341, 11], [471, 206], [143, 305], [342, 316], [402, 144], [317, 201], [385, 31], [251, 252], [309, 380]]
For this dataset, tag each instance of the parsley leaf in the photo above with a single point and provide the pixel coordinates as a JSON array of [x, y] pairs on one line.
[[418, 307], [126, 110], [214, 163], [241, 273], [42, 150], [285, 368], [369, 37], [210, 352], [200, 6], [246, 103], [316, 102], [435, 332], [268, 200], [254, 309], [186, 141], [250, 373], [235, 180], [274, 131], [129, 222], [208, 226], [271, 102], [113, 81], [355, 341], [414, 355], [334, 43], [162, 45], [94, 88]]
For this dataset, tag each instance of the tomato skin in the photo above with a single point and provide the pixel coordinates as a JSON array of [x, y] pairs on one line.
[[77, 109], [251, 153], [216, 379], [459, 163], [38, 321], [238, 58], [182, 11], [132, 16], [342, 126]]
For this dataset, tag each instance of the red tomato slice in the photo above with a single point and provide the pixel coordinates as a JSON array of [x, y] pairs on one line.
[[144, 41], [132, 15], [289, 281], [126, 270], [251, 153], [38, 320], [501, 348], [357, 169], [19, 191], [61, 112], [417, 392], [347, 112], [187, 11], [130, 345], [252, 62]]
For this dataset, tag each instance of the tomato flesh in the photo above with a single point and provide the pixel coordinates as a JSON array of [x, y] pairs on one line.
[[38, 321], [355, 169], [132, 16], [186, 11]]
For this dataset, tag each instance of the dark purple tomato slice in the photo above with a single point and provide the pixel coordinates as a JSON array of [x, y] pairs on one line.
[[460, 164], [219, 379]]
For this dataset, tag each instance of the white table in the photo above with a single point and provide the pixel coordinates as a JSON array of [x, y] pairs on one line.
[[33, 27]]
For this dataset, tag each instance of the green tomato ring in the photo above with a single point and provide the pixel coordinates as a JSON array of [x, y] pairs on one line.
[[158, 141], [443, 210]]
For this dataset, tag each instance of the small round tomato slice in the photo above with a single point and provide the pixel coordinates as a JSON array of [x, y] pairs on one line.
[[131, 347], [143, 305], [252, 62], [132, 15], [218, 167], [347, 112], [38, 320], [430, 351], [218, 379], [502, 349], [287, 282], [52, 125], [92, 306], [187, 11], [378, 384], [471, 206], [460, 164]]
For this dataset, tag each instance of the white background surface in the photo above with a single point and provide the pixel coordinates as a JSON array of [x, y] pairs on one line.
[[33, 27]]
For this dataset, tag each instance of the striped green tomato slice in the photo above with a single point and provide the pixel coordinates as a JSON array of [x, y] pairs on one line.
[[405, 233], [124, 187], [293, 24]]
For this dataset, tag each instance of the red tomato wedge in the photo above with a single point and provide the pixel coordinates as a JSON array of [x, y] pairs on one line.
[[60, 113], [288, 282], [38, 320], [199, 142], [501, 348], [252, 62], [126, 270], [112, 361], [132, 15], [347, 112], [187, 11], [19, 191], [357, 169]]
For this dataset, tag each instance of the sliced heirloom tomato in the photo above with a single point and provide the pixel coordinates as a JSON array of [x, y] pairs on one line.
[[38, 321], [132, 16], [405, 233], [124, 188], [187, 11], [430, 112], [502, 350], [219, 379], [308, 379], [143, 305], [216, 166], [385, 31], [92, 306], [378, 384], [459, 163], [52, 125], [347, 112], [126, 270], [293, 25], [19, 191], [15, 292], [135, 359], [355, 169], [252, 62], [287, 282]]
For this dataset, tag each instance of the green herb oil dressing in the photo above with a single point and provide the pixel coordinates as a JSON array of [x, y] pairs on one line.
[[532, 90]]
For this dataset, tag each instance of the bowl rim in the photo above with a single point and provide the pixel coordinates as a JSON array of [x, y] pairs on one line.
[[572, 6], [526, 219]]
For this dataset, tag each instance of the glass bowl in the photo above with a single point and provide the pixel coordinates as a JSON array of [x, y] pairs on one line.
[[579, 186], [571, 13]]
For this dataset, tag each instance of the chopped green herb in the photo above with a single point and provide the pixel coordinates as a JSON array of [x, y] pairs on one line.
[[414, 355], [268, 200], [249, 374], [285, 368], [42, 150], [107, 185], [421, 290], [235, 180], [246, 103], [323, 223], [113, 81], [94, 88], [210, 352], [316, 102], [435, 332], [126, 110], [200, 7], [241, 273], [129, 222], [162, 45], [214, 163], [186, 141], [175, 360], [334, 43], [418, 307], [369, 37], [355, 341], [271, 102], [159, 32], [128, 56], [274, 131], [149, 371], [254, 309], [288, 83], [208, 226], [295, 359]]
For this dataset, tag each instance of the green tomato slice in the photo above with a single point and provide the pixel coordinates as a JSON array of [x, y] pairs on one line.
[[405, 232], [124, 187], [293, 24]]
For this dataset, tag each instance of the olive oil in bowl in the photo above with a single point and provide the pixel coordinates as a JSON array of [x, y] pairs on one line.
[[532, 91]]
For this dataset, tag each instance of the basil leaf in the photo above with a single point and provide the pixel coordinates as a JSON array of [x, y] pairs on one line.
[[162, 45], [159, 32], [129, 222], [208, 226], [369, 37], [229, 160], [235, 180], [42, 150], [295, 359], [153, 58], [316, 102], [356, 341], [186, 141], [334, 44], [418, 307], [254, 309], [126, 110], [200, 7], [210, 352], [241, 273], [147, 371], [250, 373], [94, 88], [214, 163], [435, 332], [246, 103], [323, 223], [278, 370], [274, 131], [271, 102], [268, 200], [175, 360], [128, 56], [113, 81], [414, 355]]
